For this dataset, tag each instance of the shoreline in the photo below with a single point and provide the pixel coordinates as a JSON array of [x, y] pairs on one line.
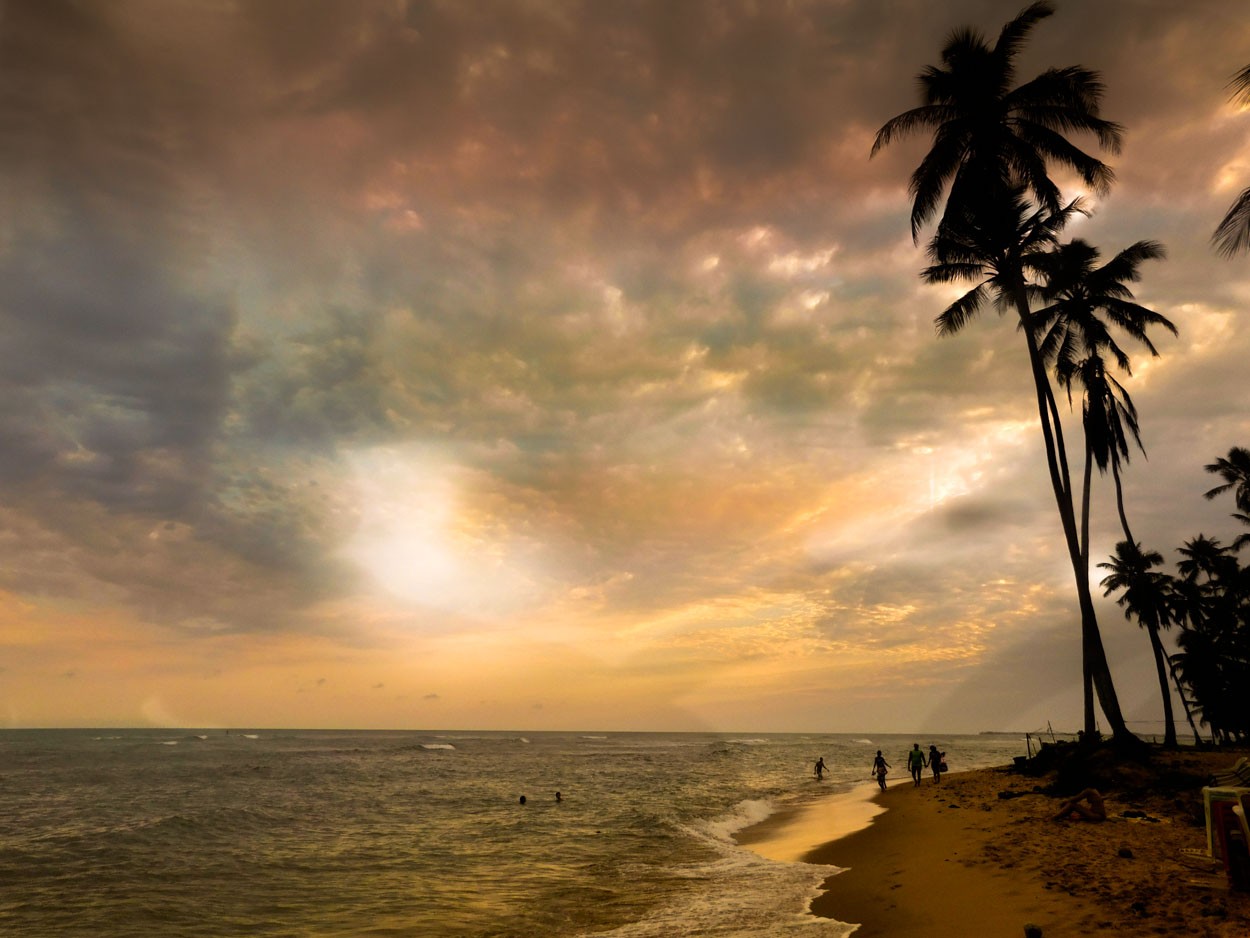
[[979, 854], [792, 834]]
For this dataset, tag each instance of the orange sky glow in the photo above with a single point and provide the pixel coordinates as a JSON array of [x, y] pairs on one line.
[[399, 364]]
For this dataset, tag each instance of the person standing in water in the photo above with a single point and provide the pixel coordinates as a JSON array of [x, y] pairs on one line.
[[820, 769], [915, 762], [879, 769]]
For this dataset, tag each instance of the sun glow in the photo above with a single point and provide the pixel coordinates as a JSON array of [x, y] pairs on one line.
[[417, 538]]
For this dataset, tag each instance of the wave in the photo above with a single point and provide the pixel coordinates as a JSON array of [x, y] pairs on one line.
[[738, 892], [744, 814], [866, 742], [753, 741], [592, 737], [435, 746]]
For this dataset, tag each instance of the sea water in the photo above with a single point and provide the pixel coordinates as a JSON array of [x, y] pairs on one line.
[[113, 833]]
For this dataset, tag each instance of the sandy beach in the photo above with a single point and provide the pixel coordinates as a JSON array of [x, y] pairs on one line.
[[959, 859]]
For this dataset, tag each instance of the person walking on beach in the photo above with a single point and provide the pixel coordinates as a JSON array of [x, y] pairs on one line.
[[820, 769], [935, 763], [915, 762], [879, 769]]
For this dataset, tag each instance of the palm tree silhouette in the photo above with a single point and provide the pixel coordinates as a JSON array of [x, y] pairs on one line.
[[991, 146], [1232, 235], [990, 136], [1147, 598], [1086, 300], [1235, 470], [1210, 604]]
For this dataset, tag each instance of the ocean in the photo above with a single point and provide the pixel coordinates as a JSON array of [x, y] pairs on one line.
[[189, 834]]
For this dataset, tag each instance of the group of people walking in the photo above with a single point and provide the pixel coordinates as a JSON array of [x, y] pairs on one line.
[[917, 762]]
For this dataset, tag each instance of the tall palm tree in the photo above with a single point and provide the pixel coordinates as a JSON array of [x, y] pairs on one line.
[[988, 135], [1086, 300], [1234, 469], [992, 144], [1232, 235], [1146, 597]]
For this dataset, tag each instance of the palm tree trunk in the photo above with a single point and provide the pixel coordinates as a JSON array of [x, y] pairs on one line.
[[1086, 677], [1184, 702], [1091, 640], [1119, 500], [1169, 722]]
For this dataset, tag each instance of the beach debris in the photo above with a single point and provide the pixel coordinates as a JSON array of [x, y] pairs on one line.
[[1125, 852], [1032, 931]]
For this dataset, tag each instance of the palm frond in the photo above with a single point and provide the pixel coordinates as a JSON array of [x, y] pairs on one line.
[[959, 313], [1232, 236], [1240, 83]]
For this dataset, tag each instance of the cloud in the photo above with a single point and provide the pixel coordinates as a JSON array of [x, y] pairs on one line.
[[376, 323]]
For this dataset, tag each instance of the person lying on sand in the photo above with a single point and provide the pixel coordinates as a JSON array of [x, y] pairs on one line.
[[1092, 810]]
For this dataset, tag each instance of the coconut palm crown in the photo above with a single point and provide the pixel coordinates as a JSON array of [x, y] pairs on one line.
[[988, 134]]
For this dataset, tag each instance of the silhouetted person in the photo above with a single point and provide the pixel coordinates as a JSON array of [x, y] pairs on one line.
[[820, 768], [522, 799], [915, 762], [880, 768], [935, 763], [558, 798]]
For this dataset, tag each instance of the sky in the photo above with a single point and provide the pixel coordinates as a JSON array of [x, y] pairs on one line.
[[564, 365]]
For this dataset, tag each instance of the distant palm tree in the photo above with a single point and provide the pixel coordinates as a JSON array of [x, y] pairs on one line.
[[1206, 561], [989, 136], [992, 143], [1235, 470], [1232, 235], [1212, 606], [1147, 598]]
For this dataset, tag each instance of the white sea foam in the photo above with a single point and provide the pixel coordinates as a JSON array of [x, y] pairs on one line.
[[745, 814], [436, 746], [739, 893]]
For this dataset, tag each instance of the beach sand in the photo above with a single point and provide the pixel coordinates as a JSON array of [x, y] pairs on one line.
[[955, 860]]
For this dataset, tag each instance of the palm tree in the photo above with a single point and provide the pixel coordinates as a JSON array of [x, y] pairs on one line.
[[1235, 471], [992, 143], [1212, 606], [1206, 561], [1085, 300], [1146, 597], [1232, 236], [988, 135]]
